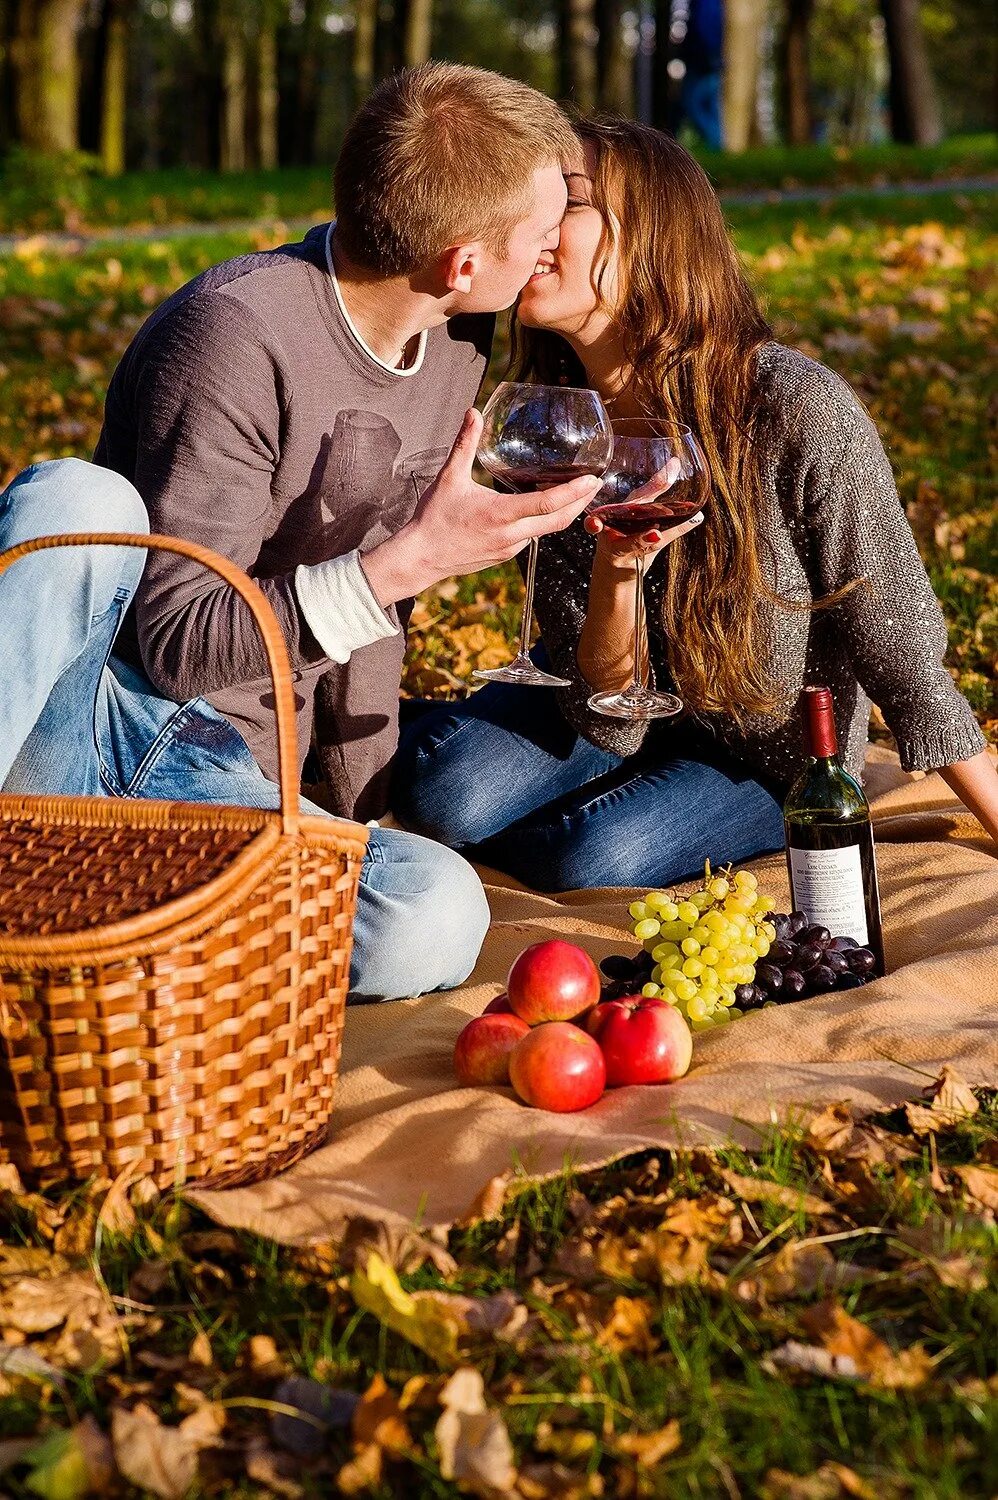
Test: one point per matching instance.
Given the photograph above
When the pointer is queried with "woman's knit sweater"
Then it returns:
(830, 514)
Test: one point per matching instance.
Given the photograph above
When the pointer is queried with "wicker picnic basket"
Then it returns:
(173, 976)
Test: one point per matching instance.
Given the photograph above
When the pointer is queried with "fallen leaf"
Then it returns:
(377, 1418)
(845, 1337)
(762, 1190)
(831, 1131)
(649, 1448)
(10, 1181)
(573, 1445)
(21, 1360)
(362, 1472)
(951, 1102)
(68, 1465)
(831, 1482)
(402, 1249)
(554, 1481)
(799, 1269)
(274, 1470)
(709, 1217)
(261, 1357)
(163, 1460)
(75, 1238)
(58, 1469)
(810, 1359)
(427, 1321)
(628, 1327)
(474, 1445)
(981, 1184)
(117, 1216)
(488, 1201)
(200, 1351)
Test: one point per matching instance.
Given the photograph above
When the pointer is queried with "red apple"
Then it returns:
(499, 1006)
(481, 1052)
(644, 1040)
(558, 1066)
(552, 981)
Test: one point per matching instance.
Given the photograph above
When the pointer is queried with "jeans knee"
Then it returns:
(70, 494)
(433, 797)
(420, 924)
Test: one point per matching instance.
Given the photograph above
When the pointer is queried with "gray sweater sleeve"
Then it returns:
(209, 402)
(890, 625)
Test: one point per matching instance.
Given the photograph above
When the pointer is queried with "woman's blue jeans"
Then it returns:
(74, 720)
(506, 779)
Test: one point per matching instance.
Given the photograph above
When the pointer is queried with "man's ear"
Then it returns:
(460, 265)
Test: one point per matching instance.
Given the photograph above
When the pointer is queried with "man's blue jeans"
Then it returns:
(506, 779)
(76, 721)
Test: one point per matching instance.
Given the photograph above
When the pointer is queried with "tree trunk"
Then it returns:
(577, 52)
(114, 88)
(795, 72)
(613, 61)
(267, 93)
(743, 23)
(364, 36)
(417, 32)
(233, 152)
(45, 61)
(914, 104)
(207, 84)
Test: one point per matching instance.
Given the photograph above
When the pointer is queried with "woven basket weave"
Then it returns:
(173, 976)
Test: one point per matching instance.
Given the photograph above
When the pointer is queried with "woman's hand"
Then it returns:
(617, 549)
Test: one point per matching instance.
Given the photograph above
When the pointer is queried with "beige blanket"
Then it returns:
(408, 1145)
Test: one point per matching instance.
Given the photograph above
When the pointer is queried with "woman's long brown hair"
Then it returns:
(691, 329)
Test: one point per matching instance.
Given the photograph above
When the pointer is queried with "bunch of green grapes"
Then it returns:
(706, 945)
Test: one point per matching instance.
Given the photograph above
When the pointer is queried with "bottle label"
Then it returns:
(828, 886)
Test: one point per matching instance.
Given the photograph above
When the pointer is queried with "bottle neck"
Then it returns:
(819, 725)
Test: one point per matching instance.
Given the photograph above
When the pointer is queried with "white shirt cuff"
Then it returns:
(342, 613)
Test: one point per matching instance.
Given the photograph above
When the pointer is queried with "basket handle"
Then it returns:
(260, 608)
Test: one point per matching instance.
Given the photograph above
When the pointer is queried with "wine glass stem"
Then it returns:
(528, 598)
(639, 684)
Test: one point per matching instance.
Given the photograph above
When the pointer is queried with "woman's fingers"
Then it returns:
(647, 543)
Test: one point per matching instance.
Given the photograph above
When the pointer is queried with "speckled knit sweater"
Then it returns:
(831, 513)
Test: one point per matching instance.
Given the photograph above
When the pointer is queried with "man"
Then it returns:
(279, 409)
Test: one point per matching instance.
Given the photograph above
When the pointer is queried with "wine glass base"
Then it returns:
(640, 704)
(522, 671)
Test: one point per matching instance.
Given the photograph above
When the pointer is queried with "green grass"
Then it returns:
(50, 194)
(565, 1390)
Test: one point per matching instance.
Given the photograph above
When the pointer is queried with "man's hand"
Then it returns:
(461, 527)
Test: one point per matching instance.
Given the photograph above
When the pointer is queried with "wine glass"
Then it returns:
(536, 436)
(646, 454)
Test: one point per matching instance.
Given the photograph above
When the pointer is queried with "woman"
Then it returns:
(801, 570)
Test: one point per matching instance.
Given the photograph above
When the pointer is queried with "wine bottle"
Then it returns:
(830, 854)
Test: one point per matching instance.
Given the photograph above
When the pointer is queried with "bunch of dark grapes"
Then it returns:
(805, 960)
(623, 976)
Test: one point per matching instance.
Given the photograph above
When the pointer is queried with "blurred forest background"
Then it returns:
(234, 84)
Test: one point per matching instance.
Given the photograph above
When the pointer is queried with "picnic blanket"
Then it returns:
(409, 1146)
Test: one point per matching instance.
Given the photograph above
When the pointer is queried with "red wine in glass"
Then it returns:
(541, 476)
(647, 455)
(645, 515)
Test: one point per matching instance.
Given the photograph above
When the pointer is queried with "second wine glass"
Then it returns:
(647, 454)
(536, 436)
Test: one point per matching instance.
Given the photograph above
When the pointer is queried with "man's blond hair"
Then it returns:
(438, 155)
